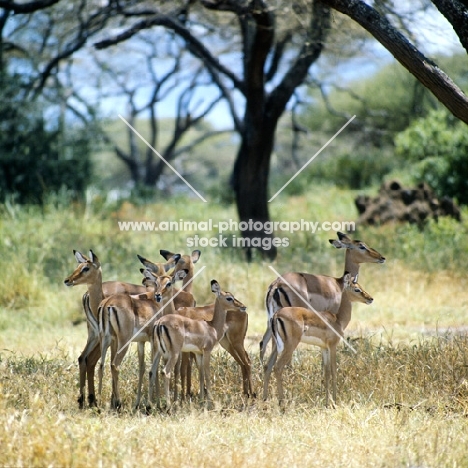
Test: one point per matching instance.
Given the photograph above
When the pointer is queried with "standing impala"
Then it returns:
(89, 272)
(232, 341)
(292, 325)
(184, 298)
(124, 319)
(174, 334)
(321, 292)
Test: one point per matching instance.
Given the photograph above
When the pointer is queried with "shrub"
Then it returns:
(37, 160)
(438, 147)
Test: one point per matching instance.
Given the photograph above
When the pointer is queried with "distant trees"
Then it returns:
(256, 53)
(37, 159)
(39, 154)
(156, 69)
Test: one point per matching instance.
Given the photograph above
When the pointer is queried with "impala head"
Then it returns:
(161, 285)
(185, 262)
(228, 301)
(357, 294)
(160, 268)
(360, 252)
(86, 271)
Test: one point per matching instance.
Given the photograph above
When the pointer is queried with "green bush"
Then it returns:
(38, 159)
(438, 147)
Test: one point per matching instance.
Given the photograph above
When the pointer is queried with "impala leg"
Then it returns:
(92, 342)
(207, 377)
(267, 371)
(178, 376)
(91, 362)
(141, 369)
(117, 358)
(186, 375)
(201, 375)
(333, 371)
(326, 369)
(168, 372)
(238, 352)
(266, 338)
(154, 381)
(283, 360)
(105, 343)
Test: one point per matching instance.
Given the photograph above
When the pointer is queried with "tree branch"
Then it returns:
(25, 8)
(309, 53)
(456, 14)
(426, 71)
(196, 47)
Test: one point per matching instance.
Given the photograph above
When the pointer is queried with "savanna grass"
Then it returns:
(402, 397)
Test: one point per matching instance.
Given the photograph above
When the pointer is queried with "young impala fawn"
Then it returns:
(292, 325)
(321, 292)
(174, 334)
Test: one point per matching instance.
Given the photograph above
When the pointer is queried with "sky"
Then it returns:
(434, 36)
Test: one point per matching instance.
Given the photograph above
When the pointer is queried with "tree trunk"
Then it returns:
(250, 183)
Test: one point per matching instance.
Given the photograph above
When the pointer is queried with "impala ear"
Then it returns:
(166, 254)
(195, 256)
(180, 275)
(148, 274)
(171, 263)
(80, 258)
(215, 287)
(343, 237)
(143, 260)
(347, 279)
(337, 244)
(93, 257)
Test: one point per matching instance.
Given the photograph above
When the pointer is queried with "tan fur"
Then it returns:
(232, 341)
(174, 334)
(291, 325)
(124, 319)
(322, 292)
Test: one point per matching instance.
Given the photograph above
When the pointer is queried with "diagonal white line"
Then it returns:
(161, 158)
(314, 311)
(155, 316)
(312, 158)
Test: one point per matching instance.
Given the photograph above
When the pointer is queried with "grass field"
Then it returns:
(402, 397)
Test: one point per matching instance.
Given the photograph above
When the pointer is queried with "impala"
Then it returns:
(232, 341)
(174, 334)
(89, 272)
(184, 298)
(124, 319)
(292, 325)
(185, 262)
(321, 292)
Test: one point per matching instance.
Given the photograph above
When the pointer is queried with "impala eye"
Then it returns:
(84, 269)
(362, 247)
(229, 299)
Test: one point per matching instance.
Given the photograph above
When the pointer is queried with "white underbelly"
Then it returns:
(189, 348)
(313, 340)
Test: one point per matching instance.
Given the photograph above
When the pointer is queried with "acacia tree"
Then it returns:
(155, 69)
(277, 48)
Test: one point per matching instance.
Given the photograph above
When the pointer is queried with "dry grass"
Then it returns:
(403, 397)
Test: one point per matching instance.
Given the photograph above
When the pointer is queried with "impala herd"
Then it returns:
(312, 309)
